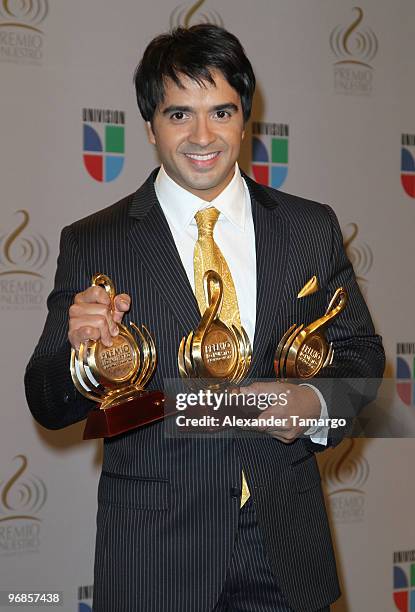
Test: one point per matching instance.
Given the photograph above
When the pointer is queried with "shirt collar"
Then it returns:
(180, 206)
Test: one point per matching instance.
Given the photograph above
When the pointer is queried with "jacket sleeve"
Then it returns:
(50, 392)
(353, 379)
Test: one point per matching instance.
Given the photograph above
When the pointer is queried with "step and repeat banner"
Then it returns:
(333, 120)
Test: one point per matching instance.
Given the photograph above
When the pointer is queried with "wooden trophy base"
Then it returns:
(142, 409)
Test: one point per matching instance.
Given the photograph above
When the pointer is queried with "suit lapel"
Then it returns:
(272, 249)
(151, 239)
(153, 242)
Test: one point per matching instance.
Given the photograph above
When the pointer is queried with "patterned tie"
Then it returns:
(208, 256)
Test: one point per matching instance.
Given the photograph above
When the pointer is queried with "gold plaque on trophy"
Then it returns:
(303, 351)
(214, 355)
(116, 376)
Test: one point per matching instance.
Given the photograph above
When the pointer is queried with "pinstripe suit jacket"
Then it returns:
(168, 508)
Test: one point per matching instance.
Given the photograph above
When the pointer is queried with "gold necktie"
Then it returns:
(208, 256)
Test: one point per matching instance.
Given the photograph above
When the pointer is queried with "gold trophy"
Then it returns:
(115, 377)
(214, 356)
(303, 351)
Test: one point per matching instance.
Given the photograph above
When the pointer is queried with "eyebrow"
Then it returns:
(188, 109)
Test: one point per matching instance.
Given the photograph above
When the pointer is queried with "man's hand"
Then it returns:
(90, 316)
(302, 402)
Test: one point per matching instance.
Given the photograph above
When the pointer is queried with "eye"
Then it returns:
(178, 116)
(222, 114)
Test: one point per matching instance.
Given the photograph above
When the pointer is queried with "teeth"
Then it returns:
(201, 157)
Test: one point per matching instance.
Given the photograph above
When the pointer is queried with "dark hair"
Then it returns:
(193, 52)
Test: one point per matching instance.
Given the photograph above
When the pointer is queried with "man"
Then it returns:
(172, 533)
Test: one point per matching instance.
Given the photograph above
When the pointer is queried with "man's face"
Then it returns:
(198, 132)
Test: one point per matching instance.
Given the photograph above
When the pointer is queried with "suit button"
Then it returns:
(236, 491)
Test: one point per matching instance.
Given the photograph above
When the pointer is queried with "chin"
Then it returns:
(204, 181)
(204, 184)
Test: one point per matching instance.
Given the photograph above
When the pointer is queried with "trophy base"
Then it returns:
(142, 409)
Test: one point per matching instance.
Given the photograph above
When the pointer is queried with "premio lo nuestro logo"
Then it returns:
(186, 15)
(405, 372)
(344, 473)
(85, 594)
(23, 255)
(23, 13)
(359, 253)
(408, 164)
(355, 46)
(21, 252)
(404, 580)
(21, 38)
(103, 143)
(270, 153)
(22, 497)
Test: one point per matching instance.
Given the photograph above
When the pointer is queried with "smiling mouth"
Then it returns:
(202, 157)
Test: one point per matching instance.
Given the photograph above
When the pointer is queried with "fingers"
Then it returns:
(283, 438)
(261, 387)
(90, 316)
(272, 393)
(98, 310)
(91, 327)
(122, 303)
(93, 295)
(83, 334)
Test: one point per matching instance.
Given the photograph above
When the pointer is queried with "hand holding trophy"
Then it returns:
(303, 351)
(115, 377)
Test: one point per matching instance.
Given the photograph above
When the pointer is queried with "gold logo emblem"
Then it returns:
(21, 253)
(215, 355)
(354, 44)
(23, 13)
(346, 473)
(22, 495)
(186, 16)
(360, 254)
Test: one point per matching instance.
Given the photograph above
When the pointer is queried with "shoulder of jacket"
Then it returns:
(291, 203)
(287, 204)
(105, 218)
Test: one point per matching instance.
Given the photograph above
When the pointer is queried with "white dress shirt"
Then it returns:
(234, 234)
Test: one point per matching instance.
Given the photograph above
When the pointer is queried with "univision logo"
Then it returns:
(22, 496)
(270, 153)
(21, 39)
(405, 372)
(103, 144)
(186, 15)
(354, 47)
(408, 164)
(344, 476)
(85, 593)
(404, 580)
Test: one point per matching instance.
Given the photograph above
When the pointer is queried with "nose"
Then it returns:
(201, 133)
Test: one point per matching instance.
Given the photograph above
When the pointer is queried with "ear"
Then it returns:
(243, 134)
(150, 133)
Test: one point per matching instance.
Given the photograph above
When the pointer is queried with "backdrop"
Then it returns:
(333, 121)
